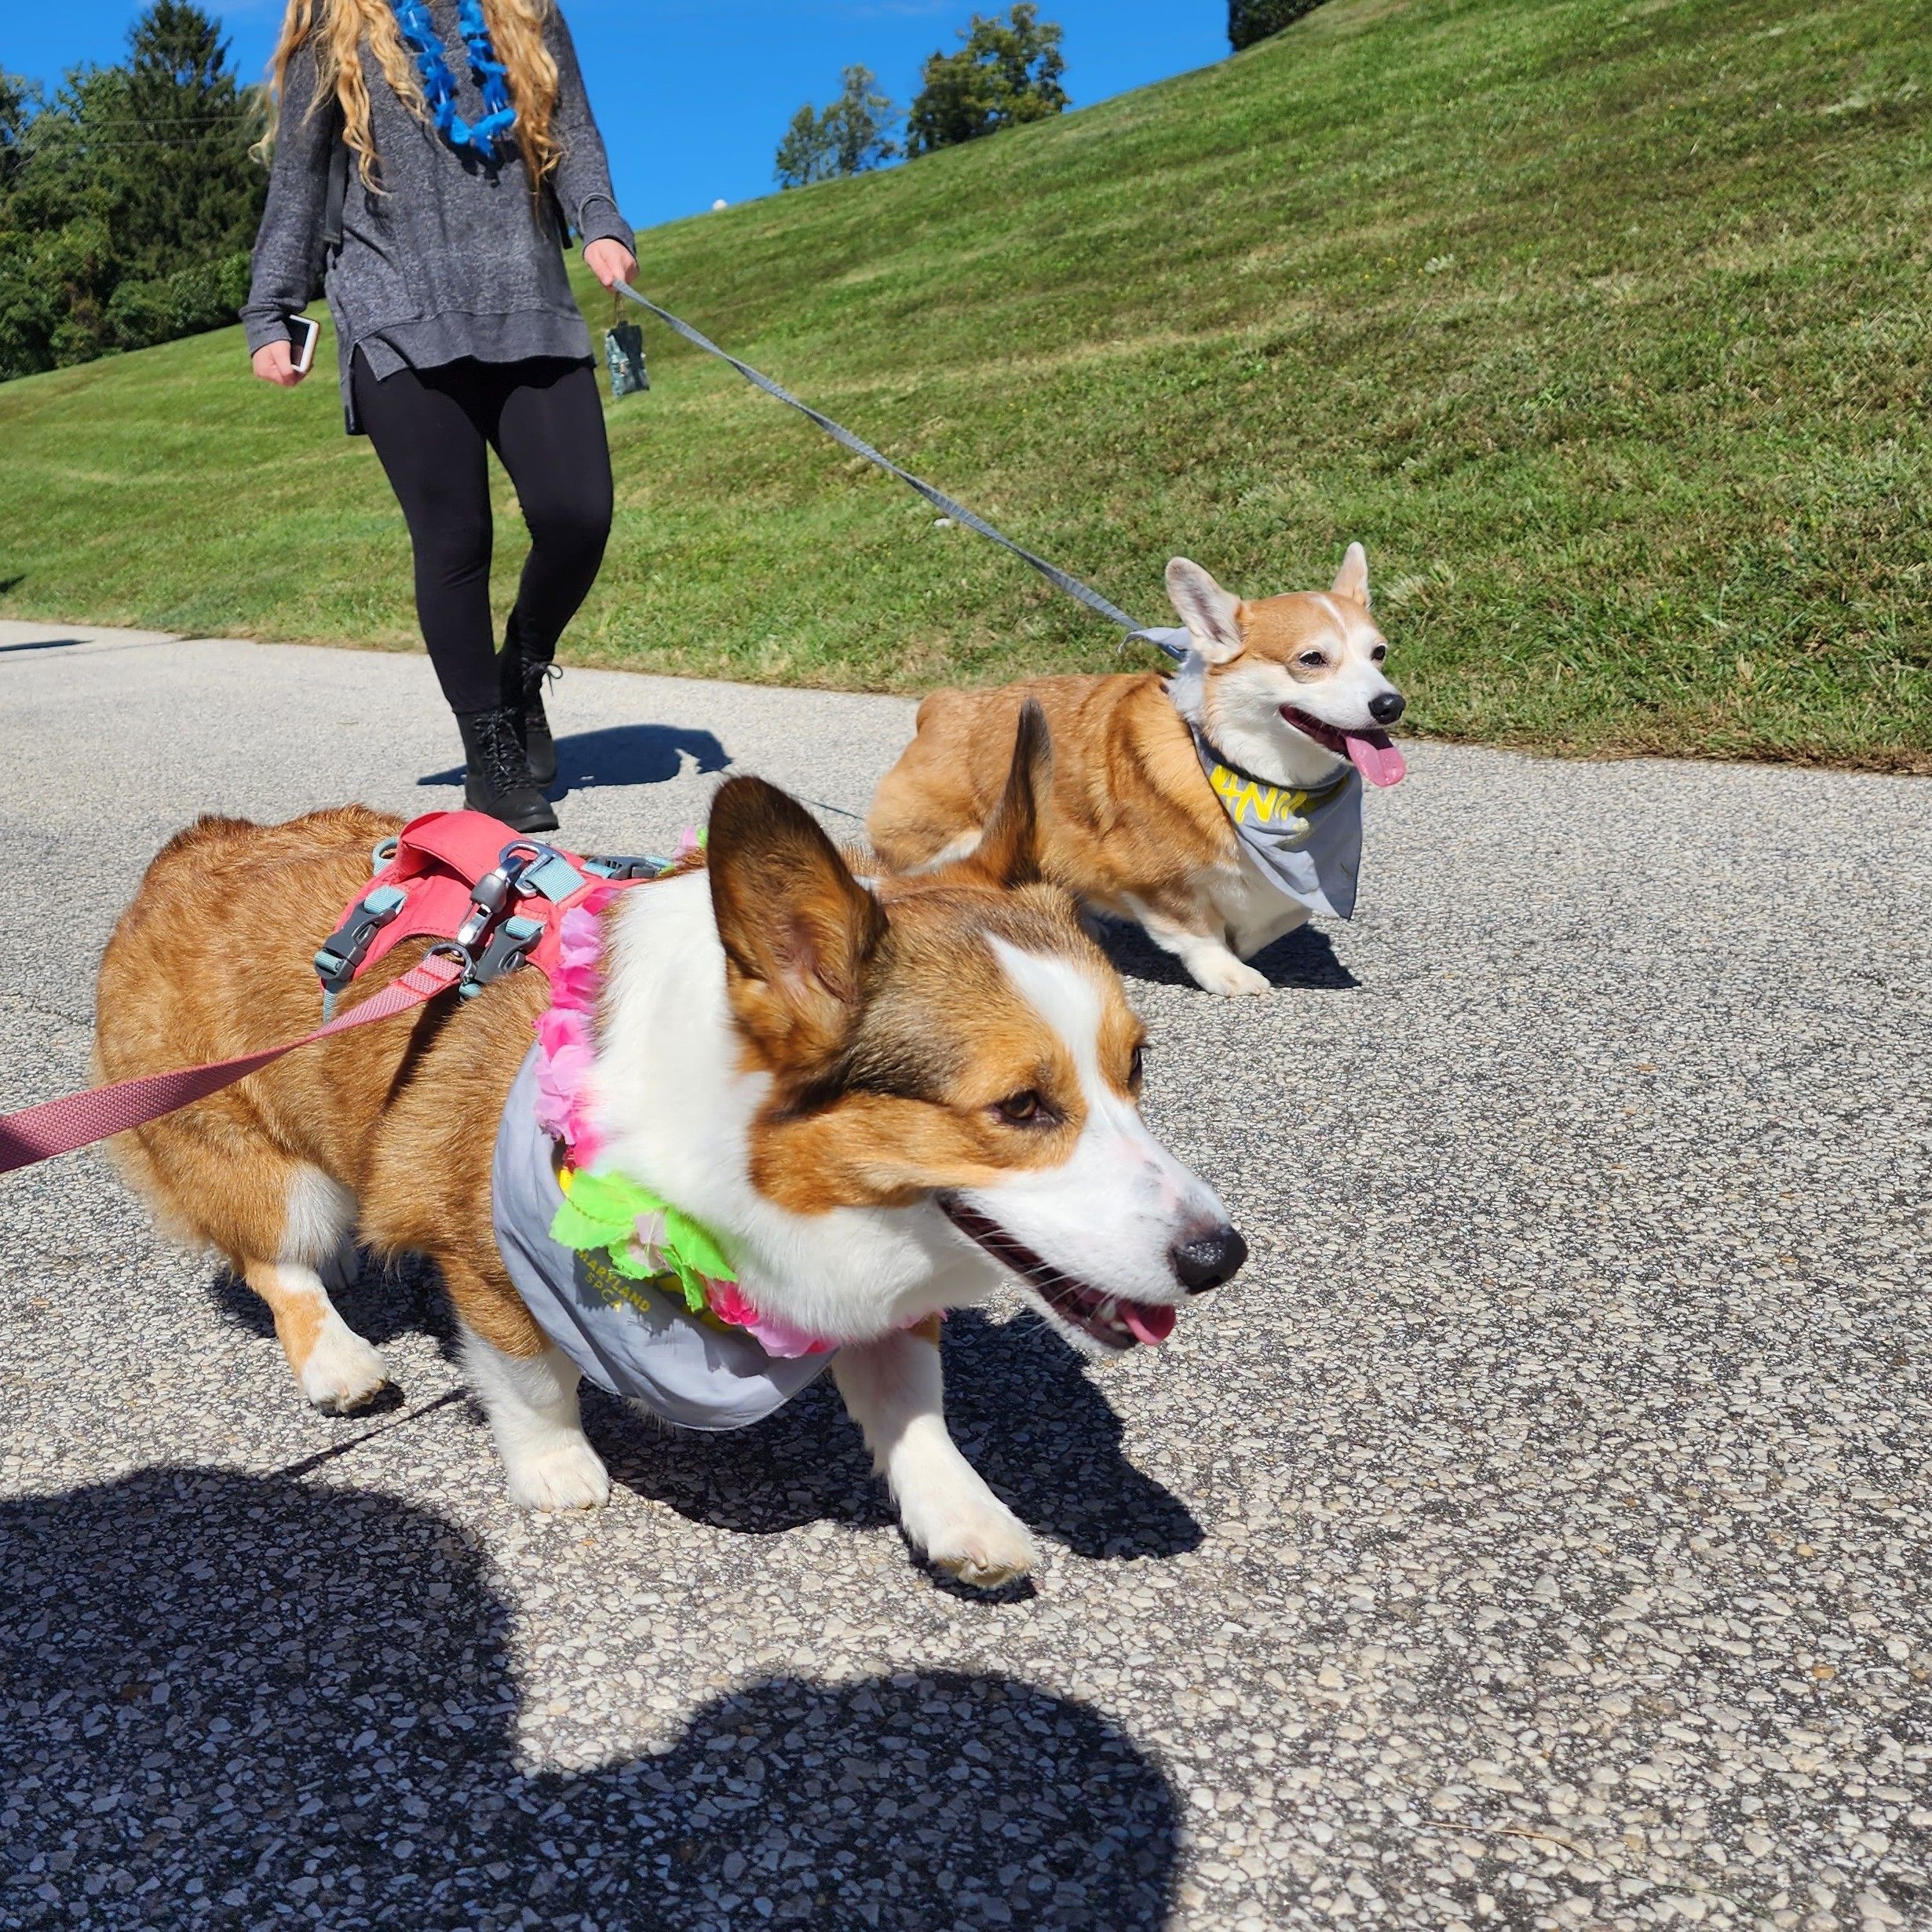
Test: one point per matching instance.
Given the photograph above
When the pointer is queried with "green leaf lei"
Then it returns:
(601, 1216)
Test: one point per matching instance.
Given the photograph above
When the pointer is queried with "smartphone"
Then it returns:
(303, 335)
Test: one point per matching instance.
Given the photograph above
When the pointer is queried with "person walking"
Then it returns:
(430, 158)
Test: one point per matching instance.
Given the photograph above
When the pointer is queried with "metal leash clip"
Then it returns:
(508, 948)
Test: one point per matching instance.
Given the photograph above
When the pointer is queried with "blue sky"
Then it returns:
(692, 95)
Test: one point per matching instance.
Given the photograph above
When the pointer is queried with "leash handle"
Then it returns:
(62, 1127)
(1060, 579)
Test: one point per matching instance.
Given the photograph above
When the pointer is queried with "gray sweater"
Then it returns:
(451, 259)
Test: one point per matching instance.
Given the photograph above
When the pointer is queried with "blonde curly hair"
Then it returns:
(338, 29)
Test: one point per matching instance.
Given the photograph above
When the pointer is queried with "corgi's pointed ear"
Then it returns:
(1352, 579)
(1008, 854)
(797, 928)
(1213, 616)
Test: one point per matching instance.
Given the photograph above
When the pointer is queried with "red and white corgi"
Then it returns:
(883, 1101)
(1192, 804)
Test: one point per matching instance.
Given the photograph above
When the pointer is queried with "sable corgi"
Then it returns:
(882, 1102)
(1275, 702)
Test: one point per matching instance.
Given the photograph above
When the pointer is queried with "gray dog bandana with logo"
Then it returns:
(1308, 843)
(625, 1337)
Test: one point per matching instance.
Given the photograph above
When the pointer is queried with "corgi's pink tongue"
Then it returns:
(1151, 1324)
(1375, 755)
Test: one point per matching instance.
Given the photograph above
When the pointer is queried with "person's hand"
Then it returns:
(275, 362)
(611, 262)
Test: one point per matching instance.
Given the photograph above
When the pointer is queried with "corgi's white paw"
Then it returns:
(565, 1474)
(1226, 975)
(343, 1373)
(982, 1543)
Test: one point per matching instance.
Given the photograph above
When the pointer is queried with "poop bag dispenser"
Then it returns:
(623, 353)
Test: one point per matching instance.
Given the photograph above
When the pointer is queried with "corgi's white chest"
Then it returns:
(1253, 907)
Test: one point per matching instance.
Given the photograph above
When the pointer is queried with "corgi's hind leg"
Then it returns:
(337, 1370)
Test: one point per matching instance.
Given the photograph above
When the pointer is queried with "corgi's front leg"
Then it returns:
(893, 1391)
(530, 1401)
(1206, 955)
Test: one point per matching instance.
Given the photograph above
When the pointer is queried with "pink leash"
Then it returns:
(60, 1127)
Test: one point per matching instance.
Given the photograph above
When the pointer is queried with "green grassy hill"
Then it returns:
(1604, 325)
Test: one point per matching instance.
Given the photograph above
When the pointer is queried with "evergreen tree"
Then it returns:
(128, 202)
(196, 195)
(1008, 72)
(1251, 20)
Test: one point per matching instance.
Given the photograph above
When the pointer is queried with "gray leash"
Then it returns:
(1084, 594)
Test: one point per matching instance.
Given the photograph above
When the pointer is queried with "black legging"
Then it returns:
(430, 428)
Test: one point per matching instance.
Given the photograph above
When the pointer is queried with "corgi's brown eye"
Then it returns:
(1136, 1069)
(1313, 660)
(1024, 1110)
(1380, 651)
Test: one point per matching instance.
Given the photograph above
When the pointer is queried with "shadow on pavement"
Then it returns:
(1027, 1410)
(621, 754)
(1022, 1405)
(382, 1302)
(41, 643)
(232, 1700)
(1305, 957)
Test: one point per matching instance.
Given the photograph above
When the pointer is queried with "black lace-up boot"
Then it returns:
(497, 780)
(521, 680)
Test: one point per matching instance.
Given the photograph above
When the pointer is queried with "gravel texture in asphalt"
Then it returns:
(1536, 1533)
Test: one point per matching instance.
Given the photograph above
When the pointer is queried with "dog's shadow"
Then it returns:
(301, 1700)
(622, 755)
(1020, 1402)
(1305, 959)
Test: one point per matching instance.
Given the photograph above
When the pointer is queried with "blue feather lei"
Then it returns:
(439, 88)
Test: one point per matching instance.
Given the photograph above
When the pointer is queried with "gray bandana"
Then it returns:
(651, 1349)
(1309, 843)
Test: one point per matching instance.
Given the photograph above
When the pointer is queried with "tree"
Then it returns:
(805, 155)
(20, 101)
(197, 194)
(860, 123)
(1251, 20)
(128, 202)
(1008, 72)
(852, 135)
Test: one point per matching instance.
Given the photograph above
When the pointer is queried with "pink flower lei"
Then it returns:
(566, 1053)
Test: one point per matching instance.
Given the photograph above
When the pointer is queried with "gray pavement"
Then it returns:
(1535, 1535)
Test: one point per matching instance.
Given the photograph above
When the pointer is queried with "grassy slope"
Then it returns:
(1604, 325)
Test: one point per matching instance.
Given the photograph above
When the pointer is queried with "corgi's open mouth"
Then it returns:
(1374, 754)
(1111, 1320)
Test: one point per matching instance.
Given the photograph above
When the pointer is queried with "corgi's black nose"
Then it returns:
(1208, 1260)
(1387, 707)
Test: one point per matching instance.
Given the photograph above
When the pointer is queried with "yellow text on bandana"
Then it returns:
(1249, 802)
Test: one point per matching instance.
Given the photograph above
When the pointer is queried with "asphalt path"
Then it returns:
(1535, 1535)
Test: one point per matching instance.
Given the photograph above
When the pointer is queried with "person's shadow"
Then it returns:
(224, 1699)
(621, 754)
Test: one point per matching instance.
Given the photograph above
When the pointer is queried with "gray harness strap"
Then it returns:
(626, 1336)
